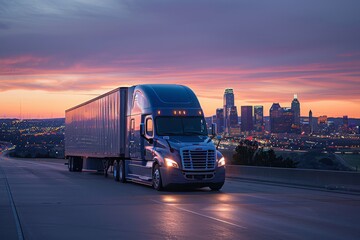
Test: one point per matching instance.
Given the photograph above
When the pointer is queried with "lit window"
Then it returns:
(149, 127)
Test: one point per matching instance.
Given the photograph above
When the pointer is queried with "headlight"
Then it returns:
(171, 163)
(221, 162)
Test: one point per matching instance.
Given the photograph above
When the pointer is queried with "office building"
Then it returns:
(311, 122)
(345, 121)
(229, 101)
(259, 118)
(295, 108)
(233, 117)
(220, 120)
(281, 119)
(246, 118)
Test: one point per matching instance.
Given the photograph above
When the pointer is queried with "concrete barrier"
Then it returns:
(339, 180)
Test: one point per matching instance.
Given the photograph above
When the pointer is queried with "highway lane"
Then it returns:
(51, 203)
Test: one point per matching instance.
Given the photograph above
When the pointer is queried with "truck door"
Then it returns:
(149, 146)
(140, 166)
(135, 140)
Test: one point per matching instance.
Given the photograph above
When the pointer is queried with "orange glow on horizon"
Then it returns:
(39, 104)
(28, 90)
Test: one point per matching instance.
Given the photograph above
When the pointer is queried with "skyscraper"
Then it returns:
(311, 122)
(220, 120)
(287, 120)
(295, 107)
(233, 117)
(345, 121)
(258, 118)
(345, 126)
(246, 118)
(275, 114)
(281, 119)
(229, 100)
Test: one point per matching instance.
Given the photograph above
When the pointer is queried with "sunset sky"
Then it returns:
(57, 54)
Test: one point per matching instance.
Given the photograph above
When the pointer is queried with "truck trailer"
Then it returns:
(154, 134)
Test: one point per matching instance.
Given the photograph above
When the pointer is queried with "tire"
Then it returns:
(71, 164)
(78, 164)
(157, 181)
(216, 186)
(122, 176)
(116, 171)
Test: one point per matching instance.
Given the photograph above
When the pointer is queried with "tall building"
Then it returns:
(311, 122)
(275, 114)
(220, 120)
(246, 118)
(287, 120)
(345, 121)
(233, 117)
(259, 118)
(281, 119)
(213, 120)
(345, 126)
(295, 107)
(229, 101)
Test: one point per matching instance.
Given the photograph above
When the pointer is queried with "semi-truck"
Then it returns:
(154, 134)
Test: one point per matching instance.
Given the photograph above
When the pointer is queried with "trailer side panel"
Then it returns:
(97, 128)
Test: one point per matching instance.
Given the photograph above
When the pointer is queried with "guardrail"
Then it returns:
(334, 180)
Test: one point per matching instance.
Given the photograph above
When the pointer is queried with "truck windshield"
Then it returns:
(180, 126)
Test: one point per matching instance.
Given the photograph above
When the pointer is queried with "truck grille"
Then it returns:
(198, 159)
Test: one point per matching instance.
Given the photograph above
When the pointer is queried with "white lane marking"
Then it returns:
(200, 214)
(13, 208)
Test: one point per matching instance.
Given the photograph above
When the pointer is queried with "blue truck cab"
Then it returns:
(169, 139)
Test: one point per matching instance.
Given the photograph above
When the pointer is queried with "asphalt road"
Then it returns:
(42, 200)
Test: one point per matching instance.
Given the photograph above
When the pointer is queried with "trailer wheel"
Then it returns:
(157, 182)
(77, 164)
(71, 164)
(116, 171)
(106, 165)
(122, 176)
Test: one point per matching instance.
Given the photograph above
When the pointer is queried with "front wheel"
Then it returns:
(157, 182)
(116, 171)
(216, 186)
(122, 176)
(71, 164)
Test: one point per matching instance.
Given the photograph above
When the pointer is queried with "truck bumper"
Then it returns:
(177, 177)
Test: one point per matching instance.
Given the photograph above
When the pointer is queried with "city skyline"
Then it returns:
(22, 115)
(57, 55)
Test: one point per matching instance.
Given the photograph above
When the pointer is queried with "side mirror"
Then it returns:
(142, 129)
(213, 129)
(142, 133)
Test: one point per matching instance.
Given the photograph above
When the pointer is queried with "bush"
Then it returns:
(248, 153)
